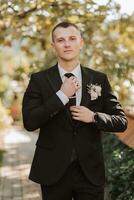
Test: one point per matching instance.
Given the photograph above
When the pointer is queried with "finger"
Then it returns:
(78, 107)
(76, 118)
(75, 114)
(76, 82)
(75, 109)
(73, 78)
(74, 106)
(76, 85)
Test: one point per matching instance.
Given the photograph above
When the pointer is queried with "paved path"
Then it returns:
(19, 148)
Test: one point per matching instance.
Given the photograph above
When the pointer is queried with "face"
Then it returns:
(67, 43)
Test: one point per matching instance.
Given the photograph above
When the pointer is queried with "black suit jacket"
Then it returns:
(43, 109)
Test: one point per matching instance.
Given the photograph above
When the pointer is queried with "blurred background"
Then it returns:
(107, 27)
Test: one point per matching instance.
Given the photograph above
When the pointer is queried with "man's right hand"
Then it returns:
(70, 86)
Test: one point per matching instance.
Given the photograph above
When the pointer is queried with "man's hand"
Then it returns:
(82, 113)
(70, 86)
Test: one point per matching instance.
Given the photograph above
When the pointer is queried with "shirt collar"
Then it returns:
(76, 71)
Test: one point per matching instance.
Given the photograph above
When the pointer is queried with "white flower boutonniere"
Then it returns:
(94, 91)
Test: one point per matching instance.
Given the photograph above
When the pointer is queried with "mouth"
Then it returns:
(68, 51)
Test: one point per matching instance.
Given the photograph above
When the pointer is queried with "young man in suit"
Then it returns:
(71, 105)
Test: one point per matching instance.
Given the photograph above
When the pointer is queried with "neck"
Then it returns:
(68, 65)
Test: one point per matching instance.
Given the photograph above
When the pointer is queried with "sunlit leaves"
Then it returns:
(119, 167)
(108, 44)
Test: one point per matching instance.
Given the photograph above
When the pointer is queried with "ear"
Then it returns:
(81, 44)
(53, 48)
(52, 44)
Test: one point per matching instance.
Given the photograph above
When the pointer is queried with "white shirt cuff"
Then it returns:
(62, 97)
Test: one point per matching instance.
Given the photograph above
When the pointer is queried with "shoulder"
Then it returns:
(95, 73)
(43, 73)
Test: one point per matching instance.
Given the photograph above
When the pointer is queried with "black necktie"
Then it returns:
(72, 99)
(72, 102)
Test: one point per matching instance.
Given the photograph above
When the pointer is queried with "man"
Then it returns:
(71, 105)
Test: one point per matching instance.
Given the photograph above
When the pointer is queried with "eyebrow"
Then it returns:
(69, 36)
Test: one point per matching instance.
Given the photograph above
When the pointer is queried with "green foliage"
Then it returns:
(25, 47)
(120, 168)
(1, 156)
(25, 38)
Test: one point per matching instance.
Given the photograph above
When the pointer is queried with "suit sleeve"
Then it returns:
(34, 111)
(113, 118)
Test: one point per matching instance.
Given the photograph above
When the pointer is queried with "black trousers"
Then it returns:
(73, 185)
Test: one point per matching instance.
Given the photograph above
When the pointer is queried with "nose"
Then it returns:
(67, 44)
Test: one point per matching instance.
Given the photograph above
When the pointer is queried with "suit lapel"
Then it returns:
(56, 82)
(86, 79)
(54, 78)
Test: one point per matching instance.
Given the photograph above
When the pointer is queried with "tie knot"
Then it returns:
(68, 75)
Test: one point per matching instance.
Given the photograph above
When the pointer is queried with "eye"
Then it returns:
(73, 38)
(60, 40)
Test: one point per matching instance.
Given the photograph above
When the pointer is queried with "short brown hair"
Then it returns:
(64, 25)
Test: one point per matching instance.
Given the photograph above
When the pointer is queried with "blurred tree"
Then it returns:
(25, 47)
(119, 167)
(5, 119)
(26, 26)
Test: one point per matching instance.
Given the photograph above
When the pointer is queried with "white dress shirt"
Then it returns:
(77, 73)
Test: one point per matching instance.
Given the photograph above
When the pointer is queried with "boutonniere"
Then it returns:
(94, 91)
